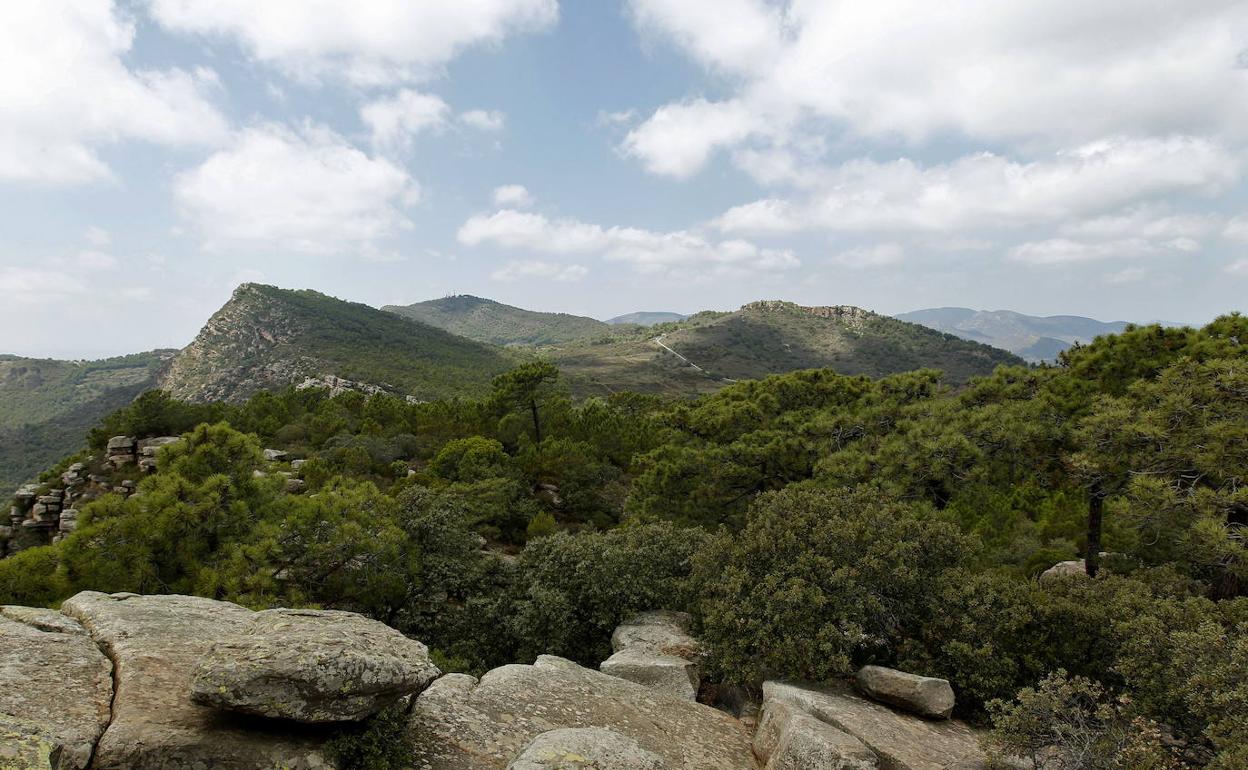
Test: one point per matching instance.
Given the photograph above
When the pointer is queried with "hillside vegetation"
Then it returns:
(265, 338)
(765, 338)
(813, 522)
(47, 406)
(485, 320)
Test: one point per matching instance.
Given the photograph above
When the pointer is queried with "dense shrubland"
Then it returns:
(812, 523)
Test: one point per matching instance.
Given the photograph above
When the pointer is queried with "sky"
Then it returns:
(600, 157)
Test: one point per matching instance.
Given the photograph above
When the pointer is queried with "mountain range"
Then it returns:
(266, 338)
(1033, 338)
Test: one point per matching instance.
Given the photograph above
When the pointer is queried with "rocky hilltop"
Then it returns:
(266, 338)
(118, 681)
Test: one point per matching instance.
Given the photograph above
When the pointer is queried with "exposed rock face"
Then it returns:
(900, 741)
(1062, 569)
(55, 691)
(790, 739)
(312, 666)
(655, 649)
(155, 643)
(922, 695)
(585, 748)
(461, 723)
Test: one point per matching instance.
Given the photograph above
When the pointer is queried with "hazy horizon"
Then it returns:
(601, 158)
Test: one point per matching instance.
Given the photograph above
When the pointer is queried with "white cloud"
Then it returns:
(27, 285)
(990, 191)
(879, 255)
(1060, 251)
(483, 120)
(66, 92)
(519, 269)
(677, 140)
(306, 190)
(1238, 267)
(1049, 72)
(368, 42)
(91, 259)
(393, 122)
(514, 195)
(1127, 275)
(646, 250)
(1236, 229)
(97, 236)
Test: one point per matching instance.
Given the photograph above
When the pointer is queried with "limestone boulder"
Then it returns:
(585, 748)
(923, 695)
(461, 723)
(312, 666)
(155, 644)
(656, 649)
(668, 674)
(1065, 569)
(790, 739)
(43, 620)
(900, 741)
(662, 631)
(55, 693)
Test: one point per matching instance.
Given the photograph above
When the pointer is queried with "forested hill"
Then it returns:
(485, 320)
(812, 522)
(47, 406)
(266, 338)
(709, 349)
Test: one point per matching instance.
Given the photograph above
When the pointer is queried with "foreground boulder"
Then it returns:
(922, 695)
(461, 723)
(155, 644)
(900, 741)
(312, 666)
(55, 691)
(585, 748)
(790, 739)
(655, 649)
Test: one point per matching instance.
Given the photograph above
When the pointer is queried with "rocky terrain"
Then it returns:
(266, 338)
(117, 681)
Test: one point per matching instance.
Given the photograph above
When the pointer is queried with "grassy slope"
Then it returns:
(498, 324)
(47, 406)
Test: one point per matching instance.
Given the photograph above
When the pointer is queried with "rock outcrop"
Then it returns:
(585, 748)
(655, 649)
(55, 691)
(923, 695)
(461, 723)
(312, 666)
(155, 644)
(900, 741)
(790, 739)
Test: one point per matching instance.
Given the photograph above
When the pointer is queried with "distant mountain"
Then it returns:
(266, 338)
(644, 318)
(47, 406)
(485, 320)
(1035, 338)
(708, 349)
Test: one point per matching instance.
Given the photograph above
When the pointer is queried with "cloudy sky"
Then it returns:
(1046, 156)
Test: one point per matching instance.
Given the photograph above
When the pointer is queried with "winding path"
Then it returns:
(659, 341)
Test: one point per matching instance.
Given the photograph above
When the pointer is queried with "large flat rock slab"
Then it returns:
(461, 723)
(901, 741)
(55, 691)
(312, 666)
(155, 643)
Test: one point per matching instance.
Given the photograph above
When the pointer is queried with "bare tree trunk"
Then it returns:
(1096, 515)
(537, 426)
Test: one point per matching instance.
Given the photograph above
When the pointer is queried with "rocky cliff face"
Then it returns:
(267, 338)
